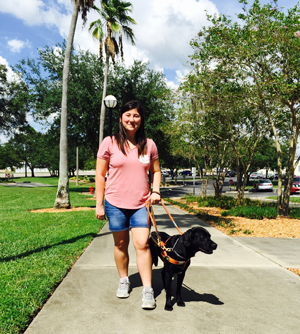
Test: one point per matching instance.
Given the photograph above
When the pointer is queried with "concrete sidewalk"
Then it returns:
(241, 288)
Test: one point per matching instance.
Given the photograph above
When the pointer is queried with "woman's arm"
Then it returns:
(155, 170)
(100, 186)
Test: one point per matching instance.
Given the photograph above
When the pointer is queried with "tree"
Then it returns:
(29, 148)
(262, 50)
(224, 127)
(138, 81)
(113, 17)
(63, 196)
(9, 158)
(275, 47)
(14, 103)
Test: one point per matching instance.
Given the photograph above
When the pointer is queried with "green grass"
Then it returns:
(252, 209)
(38, 249)
(248, 208)
(252, 212)
(223, 202)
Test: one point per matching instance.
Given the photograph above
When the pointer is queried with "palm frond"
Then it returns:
(115, 45)
(84, 6)
(115, 27)
(121, 46)
(100, 12)
(128, 32)
(98, 33)
(114, 13)
(96, 23)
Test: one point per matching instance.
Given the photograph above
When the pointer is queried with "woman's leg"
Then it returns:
(121, 240)
(140, 236)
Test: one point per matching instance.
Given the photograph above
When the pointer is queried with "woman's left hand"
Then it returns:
(155, 198)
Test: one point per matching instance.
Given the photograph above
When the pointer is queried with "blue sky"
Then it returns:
(164, 30)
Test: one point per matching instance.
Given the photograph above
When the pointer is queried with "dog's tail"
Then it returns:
(153, 252)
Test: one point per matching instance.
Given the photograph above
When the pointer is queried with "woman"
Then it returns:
(128, 155)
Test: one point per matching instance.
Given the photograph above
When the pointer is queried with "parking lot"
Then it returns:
(188, 188)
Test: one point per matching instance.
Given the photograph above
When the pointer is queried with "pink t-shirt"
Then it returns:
(127, 183)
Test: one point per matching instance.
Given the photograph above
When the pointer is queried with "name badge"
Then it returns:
(144, 159)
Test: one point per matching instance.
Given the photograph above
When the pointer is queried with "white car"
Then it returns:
(256, 175)
(165, 173)
(264, 184)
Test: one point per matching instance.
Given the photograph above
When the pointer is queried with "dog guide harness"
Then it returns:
(159, 242)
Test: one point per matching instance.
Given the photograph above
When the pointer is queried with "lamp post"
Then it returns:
(110, 102)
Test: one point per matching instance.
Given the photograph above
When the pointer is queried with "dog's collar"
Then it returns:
(173, 250)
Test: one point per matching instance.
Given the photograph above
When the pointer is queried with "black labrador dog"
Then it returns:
(183, 247)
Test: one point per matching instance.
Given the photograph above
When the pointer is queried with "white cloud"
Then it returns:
(181, 74)
(165, 29)
(15, 45)
(3, 139)
(172, 85)
(163, 32)
(33, 12)
(10, 75)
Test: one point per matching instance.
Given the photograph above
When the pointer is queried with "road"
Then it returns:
(188, 188)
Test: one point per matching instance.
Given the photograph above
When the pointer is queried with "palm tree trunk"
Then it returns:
(102, 114)
(63, 196)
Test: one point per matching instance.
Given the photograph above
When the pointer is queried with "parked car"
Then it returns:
(295, 189)
(230, 173)
(273, 176)
(186, 172)
(166, 173)
(296, 185)
(263, 184)
(256, 175)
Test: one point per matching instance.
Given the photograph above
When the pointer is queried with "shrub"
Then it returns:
(252, 212)
(295, 213)
(223, 202)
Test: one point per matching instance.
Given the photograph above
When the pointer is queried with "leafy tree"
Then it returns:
(261, 51)
(274, 49)
(114, 18)
(266, 156)
(216, 85)
(43, 76)
(139, 82)
(28, 147)
(9, 158)
(14, 104)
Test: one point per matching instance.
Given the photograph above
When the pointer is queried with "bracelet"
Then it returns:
(156, 192)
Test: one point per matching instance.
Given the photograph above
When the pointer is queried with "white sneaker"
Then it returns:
(148, 298)
(124, 288)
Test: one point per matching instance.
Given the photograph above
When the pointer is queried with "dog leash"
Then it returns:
(163, 204)
(151, 215)
(159, 242)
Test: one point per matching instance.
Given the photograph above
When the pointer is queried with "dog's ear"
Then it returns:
(187, 237)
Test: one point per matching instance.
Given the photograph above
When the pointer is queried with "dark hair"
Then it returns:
(121, 135)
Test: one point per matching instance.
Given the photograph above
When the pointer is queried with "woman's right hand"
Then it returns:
(100, 212)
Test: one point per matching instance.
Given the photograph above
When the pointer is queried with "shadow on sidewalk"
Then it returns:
(188, 294)
(44, 248)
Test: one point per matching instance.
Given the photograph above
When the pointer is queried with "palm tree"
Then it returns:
(114, 21)
(63, 196)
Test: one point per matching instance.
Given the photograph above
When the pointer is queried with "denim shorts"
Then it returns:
(124, 219)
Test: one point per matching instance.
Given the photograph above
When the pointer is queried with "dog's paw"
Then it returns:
(168, 307)
(180, 303)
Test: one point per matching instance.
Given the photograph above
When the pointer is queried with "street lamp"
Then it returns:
(110, 102)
